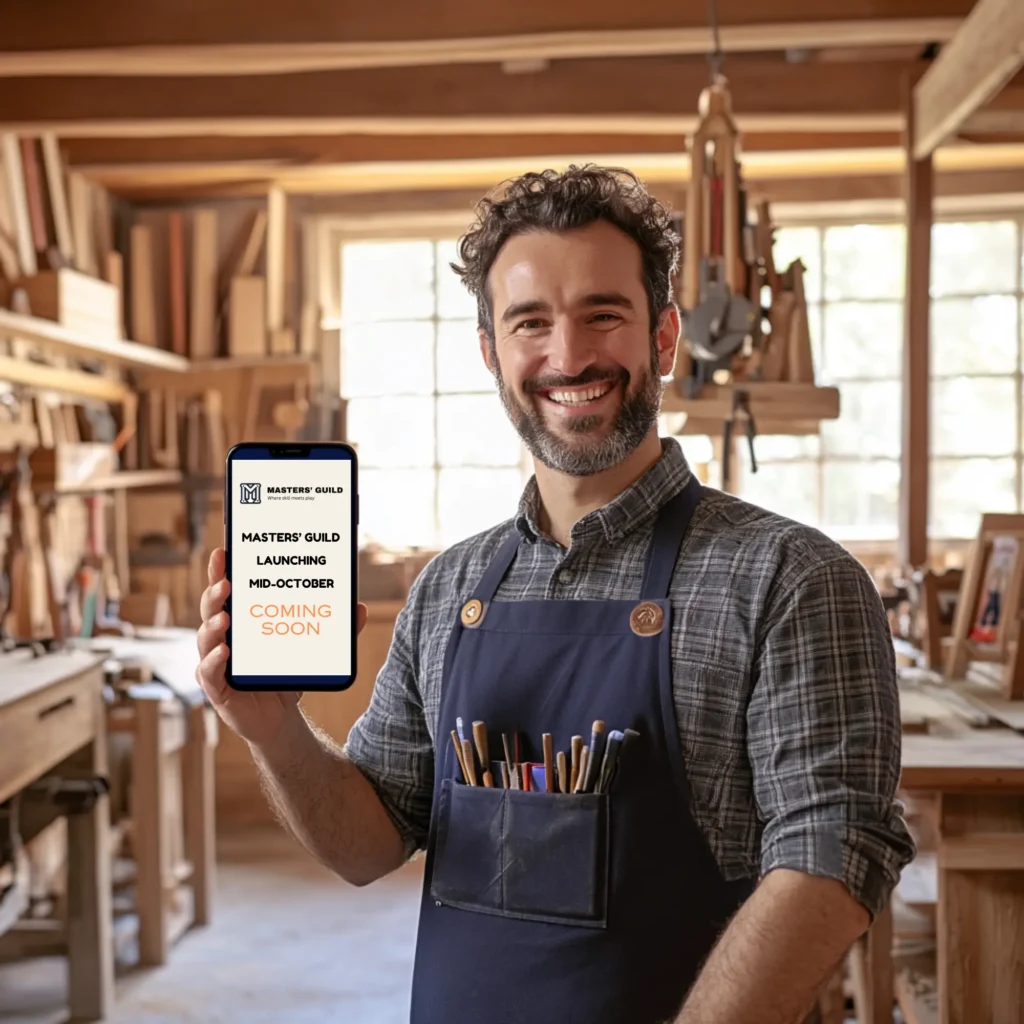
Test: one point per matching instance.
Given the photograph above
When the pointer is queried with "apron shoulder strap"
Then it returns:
(499, 565)
(669, 530)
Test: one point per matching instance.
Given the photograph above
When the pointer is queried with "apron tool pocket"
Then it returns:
(533, 856)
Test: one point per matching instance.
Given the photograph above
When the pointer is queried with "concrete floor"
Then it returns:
(289, 942)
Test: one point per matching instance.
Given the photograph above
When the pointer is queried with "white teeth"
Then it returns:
(578, 397)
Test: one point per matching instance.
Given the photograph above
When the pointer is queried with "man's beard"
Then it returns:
(636, 416)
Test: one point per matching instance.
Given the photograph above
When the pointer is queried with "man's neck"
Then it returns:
(565, 500)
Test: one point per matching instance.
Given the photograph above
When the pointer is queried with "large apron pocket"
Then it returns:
(533, 856)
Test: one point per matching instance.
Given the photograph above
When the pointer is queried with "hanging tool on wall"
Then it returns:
(741, 414)
(720, 322)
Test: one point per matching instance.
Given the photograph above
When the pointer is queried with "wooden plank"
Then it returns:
(989, 698)
(143, 304)
(103, 223)
(17, 202)
(60, 339)
(149, 815)
(913, 538)
(247, 317)
(973, 760)
(176, 260)
(980, 915)
(9, 265)
(625, 94)
(68, 382)
(203, 334)
(253, 244)
(82, 224)
(277, 227)
(34, 195)
(90, 946)
(290, 58)
(198, 807)
(93, 154)
(992, 851)
(114, 274)
(58, 197)
(982, 57)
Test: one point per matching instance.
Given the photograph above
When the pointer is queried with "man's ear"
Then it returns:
(486, 350)
(667, 339)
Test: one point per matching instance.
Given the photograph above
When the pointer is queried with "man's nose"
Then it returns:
(570, 347)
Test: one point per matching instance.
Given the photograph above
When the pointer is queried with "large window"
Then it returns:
(847, 481)
(438, 458)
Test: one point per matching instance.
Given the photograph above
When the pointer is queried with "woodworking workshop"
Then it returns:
(512, 512)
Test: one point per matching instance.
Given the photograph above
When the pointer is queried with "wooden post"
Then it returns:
(198, 808)
(90, 942)
(916, 383)
(149, 836)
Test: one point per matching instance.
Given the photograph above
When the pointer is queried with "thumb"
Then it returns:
(360, 617)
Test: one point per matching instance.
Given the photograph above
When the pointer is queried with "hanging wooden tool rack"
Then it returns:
(745, 363)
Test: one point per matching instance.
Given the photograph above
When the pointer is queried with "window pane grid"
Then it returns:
(976, 331)
(410, 380)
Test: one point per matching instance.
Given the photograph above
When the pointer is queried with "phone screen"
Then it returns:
(291, 548)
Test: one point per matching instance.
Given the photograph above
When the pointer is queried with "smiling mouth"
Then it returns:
(580, 396)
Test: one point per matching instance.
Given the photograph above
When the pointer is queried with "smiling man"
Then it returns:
(750, 831)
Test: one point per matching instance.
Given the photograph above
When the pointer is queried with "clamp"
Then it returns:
(740, 411)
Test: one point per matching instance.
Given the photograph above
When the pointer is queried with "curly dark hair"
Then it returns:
(562, 201)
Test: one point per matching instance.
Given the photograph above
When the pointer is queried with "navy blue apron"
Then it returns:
(540, 908)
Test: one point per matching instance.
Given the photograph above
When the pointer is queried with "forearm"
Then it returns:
(777, 952)
(328, 804)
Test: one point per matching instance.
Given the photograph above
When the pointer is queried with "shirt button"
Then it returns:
(565, 576)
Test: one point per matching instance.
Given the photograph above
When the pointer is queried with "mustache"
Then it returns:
(591, 375)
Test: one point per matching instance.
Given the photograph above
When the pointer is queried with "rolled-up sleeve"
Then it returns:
(390, 742)
(823, 734)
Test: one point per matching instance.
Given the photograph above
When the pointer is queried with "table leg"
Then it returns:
(980, 919)
(149, 839)
(90, 941)
(197, 767)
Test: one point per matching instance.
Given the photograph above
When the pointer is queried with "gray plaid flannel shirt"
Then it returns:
(783, 674)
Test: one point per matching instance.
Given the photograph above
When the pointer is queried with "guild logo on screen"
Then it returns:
(250, 494)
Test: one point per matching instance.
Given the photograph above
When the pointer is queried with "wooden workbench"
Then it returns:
(52, 715)
(976, 777)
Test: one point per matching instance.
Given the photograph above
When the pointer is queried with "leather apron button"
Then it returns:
(472, 613)
(647, 619)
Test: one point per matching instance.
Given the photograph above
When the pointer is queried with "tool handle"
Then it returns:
(467, 756)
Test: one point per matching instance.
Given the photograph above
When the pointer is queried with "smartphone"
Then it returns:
(291, 513)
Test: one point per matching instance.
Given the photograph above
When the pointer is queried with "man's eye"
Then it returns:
(530, 325)
(606, 317)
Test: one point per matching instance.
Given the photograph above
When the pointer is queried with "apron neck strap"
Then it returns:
(669, 529)
(495, 572)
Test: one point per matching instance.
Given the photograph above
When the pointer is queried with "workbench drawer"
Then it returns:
(42, 729)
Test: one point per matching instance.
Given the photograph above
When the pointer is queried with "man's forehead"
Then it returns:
(598, 258)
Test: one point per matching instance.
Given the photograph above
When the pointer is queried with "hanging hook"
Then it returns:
(716, 58)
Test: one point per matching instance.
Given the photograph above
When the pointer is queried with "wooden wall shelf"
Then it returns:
(125, 480)
(777, 408)
(59, 338)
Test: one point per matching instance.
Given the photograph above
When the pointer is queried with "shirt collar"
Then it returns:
(634, 508)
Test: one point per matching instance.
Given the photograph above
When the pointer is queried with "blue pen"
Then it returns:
(458, 725)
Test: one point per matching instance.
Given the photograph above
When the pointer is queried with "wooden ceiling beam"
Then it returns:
(893, 36)
(982, 57)
(618, 95)
(290, 151)
(77, 25)
(1004, 115)
(152, 180)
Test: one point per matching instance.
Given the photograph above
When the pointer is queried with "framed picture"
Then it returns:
(1003, 555)
(986, 624)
